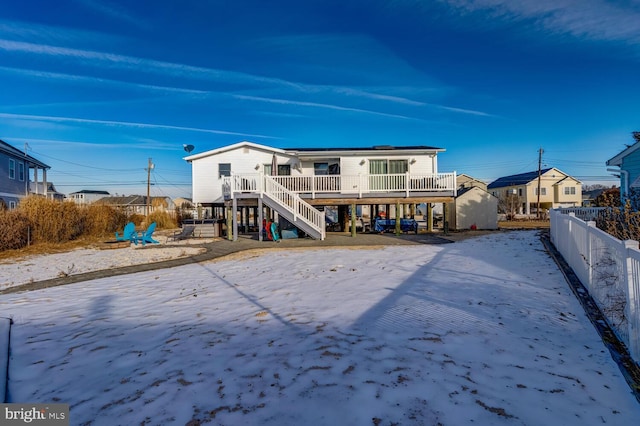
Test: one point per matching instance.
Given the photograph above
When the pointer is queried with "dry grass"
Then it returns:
(524, 224)
(39, 225)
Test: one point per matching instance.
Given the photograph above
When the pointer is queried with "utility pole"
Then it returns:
(539, 180)
(149, 167)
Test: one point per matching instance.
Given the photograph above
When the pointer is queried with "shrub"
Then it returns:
(622, 223)
(609, 198)
(52, 221)
(137, 219)
(39, 220)
(103, 220)
(163, 220)
(14, 230)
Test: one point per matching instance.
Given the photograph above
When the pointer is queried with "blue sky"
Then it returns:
(97, 87)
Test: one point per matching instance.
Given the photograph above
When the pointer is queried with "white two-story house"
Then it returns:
(298, 183)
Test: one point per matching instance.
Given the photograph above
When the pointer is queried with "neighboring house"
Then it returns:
(473, 206)
(185, 205)
(299, 182)
(557, 189)
(87, 196)
(50, 192)
(627, 166)
(589, 197)
(137, 204)
(466, 181)
(15, 168)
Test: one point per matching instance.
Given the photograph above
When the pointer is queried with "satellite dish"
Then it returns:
(188, 148)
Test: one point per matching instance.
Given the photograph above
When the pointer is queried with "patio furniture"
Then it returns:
(389, 225)
(186, 232)
(128, 232)
(145, 237)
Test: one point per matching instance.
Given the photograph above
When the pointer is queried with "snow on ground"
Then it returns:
(14, 272)
(484, 331)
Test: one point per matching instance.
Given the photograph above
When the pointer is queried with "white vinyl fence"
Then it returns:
(608, 268)
(584, 213)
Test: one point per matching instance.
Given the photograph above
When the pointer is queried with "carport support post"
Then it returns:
(429, 215)
(229, 224)
(445, 222)
(234, 202)
(353, 220)
(260, 218)
(397, 219)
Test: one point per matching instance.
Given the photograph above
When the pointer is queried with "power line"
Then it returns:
(82, 165)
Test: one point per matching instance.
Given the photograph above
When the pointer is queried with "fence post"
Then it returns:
(569, 246)
(589, 255)
(633, 290)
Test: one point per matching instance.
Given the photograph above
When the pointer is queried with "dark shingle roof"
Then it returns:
(5, 147)
(90, 191)
(515, 180)
(374, 148)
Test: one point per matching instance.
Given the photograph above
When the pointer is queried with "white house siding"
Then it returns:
(204, 172)
(351, 166)
(207, 183)
(425, 164)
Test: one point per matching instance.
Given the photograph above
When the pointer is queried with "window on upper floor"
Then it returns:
(12, 205)
(320, 169)
(543, 191)
(224, 169)
(519, 192)
(283, 169)
(569, 190)
(12, 169)
(21, 172)
(398, 166)
(383, 167)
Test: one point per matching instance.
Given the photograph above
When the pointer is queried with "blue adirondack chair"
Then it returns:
(128, 232)
(145, 237)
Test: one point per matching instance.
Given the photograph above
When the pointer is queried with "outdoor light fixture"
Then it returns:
(362, 162)
(413, 161)
(257, 166)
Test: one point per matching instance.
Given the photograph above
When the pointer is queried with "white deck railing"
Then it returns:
(283, 197)
(356, 185)
(608, 268)
(291, 201)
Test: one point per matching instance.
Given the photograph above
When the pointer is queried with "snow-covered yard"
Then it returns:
(484, 331)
